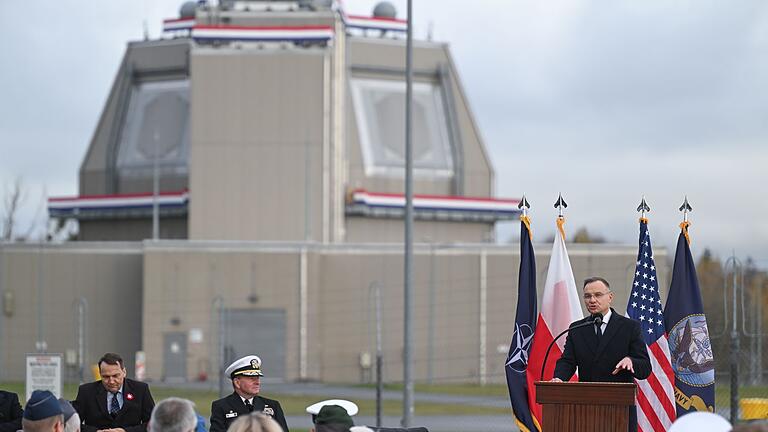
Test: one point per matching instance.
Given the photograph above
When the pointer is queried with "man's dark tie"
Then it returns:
(599, 332)
(248, 405)
(114, 406)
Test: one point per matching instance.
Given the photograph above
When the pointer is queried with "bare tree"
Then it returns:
(12, 202)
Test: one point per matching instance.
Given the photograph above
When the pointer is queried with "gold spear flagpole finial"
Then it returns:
(642, 208)
(524, 205)
(560, 204)
(685, 208)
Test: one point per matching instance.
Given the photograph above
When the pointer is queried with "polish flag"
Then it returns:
(559, 308)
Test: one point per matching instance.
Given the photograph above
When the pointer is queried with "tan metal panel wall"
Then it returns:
(257, 117)
(131, 229)
(107, 275)
(361, 229)
(185, 282)
(182, 279)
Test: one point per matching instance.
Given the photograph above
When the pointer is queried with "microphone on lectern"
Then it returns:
(595, 319)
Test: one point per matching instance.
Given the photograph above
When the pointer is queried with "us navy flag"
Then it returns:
(525, 323)
(689, 343)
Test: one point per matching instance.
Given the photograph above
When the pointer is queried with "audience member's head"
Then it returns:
(173, 415)
(42, 413)
(71, 417)
(700, 421)
(755, 426)
(255, 422)
(333, 418)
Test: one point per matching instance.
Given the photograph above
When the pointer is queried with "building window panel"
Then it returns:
(156, 125)
(380, 113)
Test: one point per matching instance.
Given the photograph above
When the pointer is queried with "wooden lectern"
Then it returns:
(585, 406)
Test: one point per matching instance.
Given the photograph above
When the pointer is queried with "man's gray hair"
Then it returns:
(73, 424)
(173, 415)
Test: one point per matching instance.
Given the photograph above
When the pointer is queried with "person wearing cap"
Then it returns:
(245, 374)
(42, 413)
(10, 412)
(335, 415)
(114, 403)
(71, 417)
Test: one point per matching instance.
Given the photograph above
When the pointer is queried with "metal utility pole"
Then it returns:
(379, 356)
(734, 354)
(408, 267)
(155, 193)
(81, 307)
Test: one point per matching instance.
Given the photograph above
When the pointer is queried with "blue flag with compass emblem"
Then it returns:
(689, 344)
(525, 323)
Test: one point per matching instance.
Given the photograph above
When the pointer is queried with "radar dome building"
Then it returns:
(283, 121)
(267, 139)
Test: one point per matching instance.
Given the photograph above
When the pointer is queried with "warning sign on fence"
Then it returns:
(44, 373)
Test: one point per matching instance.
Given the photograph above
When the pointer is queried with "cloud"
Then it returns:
(602, 101)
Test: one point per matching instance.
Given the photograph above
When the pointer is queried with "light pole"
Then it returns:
(408, 270)
(155, 190)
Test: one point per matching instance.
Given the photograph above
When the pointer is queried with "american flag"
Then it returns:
(655, 397)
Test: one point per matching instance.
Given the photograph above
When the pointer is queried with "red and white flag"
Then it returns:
(559, 308)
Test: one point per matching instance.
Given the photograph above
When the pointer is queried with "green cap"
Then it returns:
(333, 415)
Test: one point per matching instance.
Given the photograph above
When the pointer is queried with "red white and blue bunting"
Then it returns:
(432, 207)
(262, 34)
(127, 205)
(374, 23)
(173, 25)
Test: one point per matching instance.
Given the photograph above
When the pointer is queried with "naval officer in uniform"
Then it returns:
(245, 374)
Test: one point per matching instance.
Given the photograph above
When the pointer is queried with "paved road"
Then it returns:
(433, 423)
(328, 391)
(468, 423)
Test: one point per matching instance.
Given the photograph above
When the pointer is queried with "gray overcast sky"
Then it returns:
(602, 101)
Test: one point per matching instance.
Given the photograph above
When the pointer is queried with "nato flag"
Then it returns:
(689, 343)
(525, 323)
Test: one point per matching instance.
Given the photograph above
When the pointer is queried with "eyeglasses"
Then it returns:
(596, 296)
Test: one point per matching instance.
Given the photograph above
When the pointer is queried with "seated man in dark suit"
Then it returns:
(10, 412)
(613, 352)
(116, 403)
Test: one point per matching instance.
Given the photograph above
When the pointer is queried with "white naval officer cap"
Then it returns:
(246, 366)
(348, 406)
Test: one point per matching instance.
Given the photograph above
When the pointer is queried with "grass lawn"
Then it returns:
(498, 390)
(294, 404)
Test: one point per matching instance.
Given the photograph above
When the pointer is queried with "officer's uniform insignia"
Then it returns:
(269, 411)
(230, 414)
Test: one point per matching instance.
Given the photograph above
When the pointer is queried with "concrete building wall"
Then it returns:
(361, 229)
(131, 229)
(457, 335)
(256, 144)
(187, 282)
(40, 286)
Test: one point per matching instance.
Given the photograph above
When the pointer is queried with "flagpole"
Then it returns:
(408, 266)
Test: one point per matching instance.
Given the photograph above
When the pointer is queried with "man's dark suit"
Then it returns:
(10, 412)
(91, 404)
(596, 362)
(226, 410)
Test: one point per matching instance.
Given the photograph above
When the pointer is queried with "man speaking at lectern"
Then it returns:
(614, 351)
